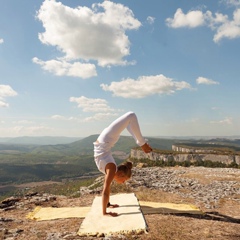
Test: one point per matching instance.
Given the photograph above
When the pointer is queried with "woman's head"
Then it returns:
(124, 172)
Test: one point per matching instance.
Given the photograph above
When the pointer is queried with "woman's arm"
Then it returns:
(110, 173)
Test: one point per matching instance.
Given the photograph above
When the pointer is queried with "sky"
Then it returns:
(70, 67)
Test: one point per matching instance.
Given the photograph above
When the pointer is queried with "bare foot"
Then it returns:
(146, 148)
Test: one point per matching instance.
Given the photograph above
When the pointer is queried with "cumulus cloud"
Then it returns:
(218, 22)
(1, 40)
(229, 29)
(100, 117)
(232, 2)
(60, 117)
(63, 68)
(3, 104)
(97, 33)
(98, 106)
(191, 19)
(91, 104)
(145, 86)
(95, 117)
(202, 80)
(6, 91)
(150, 20)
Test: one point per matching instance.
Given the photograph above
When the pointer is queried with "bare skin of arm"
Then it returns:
(110, 173)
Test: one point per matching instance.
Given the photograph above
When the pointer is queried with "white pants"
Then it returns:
(127, 121)
(111, 134)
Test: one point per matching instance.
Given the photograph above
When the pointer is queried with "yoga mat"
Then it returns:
(171, 208)
(130, 219)
(50, 213)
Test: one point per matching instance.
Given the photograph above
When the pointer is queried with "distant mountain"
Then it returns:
(28, 162)
(45, 140)
(81, 147)
(85, 146)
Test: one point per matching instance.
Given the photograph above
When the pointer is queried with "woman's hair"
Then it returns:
(126, 168)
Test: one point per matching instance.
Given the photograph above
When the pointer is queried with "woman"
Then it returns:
(103, 157)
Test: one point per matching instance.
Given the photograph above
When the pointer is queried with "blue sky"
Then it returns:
(68, 68)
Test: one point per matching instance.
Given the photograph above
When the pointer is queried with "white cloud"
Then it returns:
(219, 23)
(6, 91)
(192, 19)
(32, 130)
(3, 104)
(58, 117)
(95, 117)
(150, 20)
(232, 2)
(88, 34)
(226, 121)
(214, 21)
(229, 29)
(100, 117)
(63, 68)
(1, 41)
(91, 104)
(97, 106)
(145, 86)
(202, 80)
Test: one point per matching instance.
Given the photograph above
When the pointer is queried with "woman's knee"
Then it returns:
(131, 114)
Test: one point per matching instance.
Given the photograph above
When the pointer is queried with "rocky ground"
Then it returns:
(215, 191)
(207, 186)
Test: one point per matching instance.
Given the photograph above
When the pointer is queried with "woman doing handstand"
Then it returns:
(103, 156)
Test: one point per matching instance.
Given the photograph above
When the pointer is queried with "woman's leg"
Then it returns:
(127, 121)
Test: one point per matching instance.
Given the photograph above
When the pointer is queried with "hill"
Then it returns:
(27, 162)
(21, 163)
(81, 147)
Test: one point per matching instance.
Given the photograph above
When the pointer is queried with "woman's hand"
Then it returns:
(111, 214)
(113, 205)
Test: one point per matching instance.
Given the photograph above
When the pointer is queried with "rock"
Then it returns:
(9, 202)
(30, 194)
(141, 165)
(5, 219)
(9, 208)
(10, 233)
(186, 156)
(53, 236)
